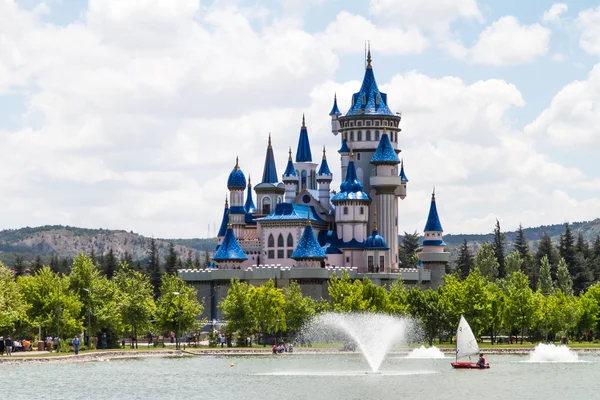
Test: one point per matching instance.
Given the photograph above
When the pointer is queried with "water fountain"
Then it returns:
(552, 353)
(426, 353)
(373, 334)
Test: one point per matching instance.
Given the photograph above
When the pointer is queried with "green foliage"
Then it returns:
(13, 307)
(236, 308)
(464, 262)
(177, 307)
(171, 260)
(397, 299)
(408, 249)
(545, 278)
(498, 245)
(268, 308)
(346, 296)
(520, 305)
(513, 263)
(134, 299)
(563, 278)
(486, 262)
(298, 308)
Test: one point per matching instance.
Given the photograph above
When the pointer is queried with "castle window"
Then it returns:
(362, 211)
(384, 123)
(290, 240)
(377, 135)
(345, 210)
(289, 253)
(271, 241)
(280, 253)
(347, 259)
(368, 136)
(358, 156)
(280, 240)
(381, 262)
(368, 123)
(271, 254)
(377, 99)
(359, 123)
(266, 205)
(351, 123)
(352, 136)
(370, 264)
(359, 136)
(303, 182)
(376, 123)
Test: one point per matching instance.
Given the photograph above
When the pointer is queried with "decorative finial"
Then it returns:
(229, 224)
(402, 163)
(237, 165)
(369, 56)
(249, 184)
(269, 139)
(385, 130)
(351, 152)
(335, 97)
(226, 202)
(375, 217)
(433, 194)
(303, 123)
(290, 156)
(308, 219)
(324, 157)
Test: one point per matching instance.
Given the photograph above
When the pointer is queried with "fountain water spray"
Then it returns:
(552, 353)
(426, 352)
(373, 334)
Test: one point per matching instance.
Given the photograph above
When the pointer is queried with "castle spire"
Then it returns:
(433, 220)
(369, 57)
(303, 154)
(335, 110)
(270, 169)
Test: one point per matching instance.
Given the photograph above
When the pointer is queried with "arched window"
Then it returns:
(271, 241)
(345, 210)
(290, 240)
(352, 136)
(303, 183)
(377, 135)
(362, 211)
(280, 240)
(266, 205)
(368, 136)
(359, 136)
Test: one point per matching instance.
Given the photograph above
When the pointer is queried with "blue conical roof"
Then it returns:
(375, 102)
(403, 177)
(270, 170)
(324, 169)
(230, 249)
(344, 148)
(290, 170)
(224, 220)
(335, 110)
(249, 205)
(375, 241)
(385, 153)
(237, 179)
(351, 188)
(308, 246)
(433, 220)
(303, 153)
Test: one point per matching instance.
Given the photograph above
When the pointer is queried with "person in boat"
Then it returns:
(481, 361)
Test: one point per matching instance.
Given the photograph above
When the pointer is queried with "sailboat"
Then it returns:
(466, 346)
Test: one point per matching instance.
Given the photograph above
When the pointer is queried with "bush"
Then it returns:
(212, 339)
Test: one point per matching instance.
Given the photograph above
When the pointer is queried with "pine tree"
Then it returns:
(171, 260)
(66, 265)
(92, 254)
(546, 285)
(521, 244)
(37, 263)
(566, 248)
(498, 245)
(595, 256)
(19, 265)
(582, 247)
(54, 263)
(408, 248)
(110, 264)
(464, 261)
(563, 280)
(127, 259)
(196, 261)
(546, 248)
(189, 263)
(486, 261)
(153, 267)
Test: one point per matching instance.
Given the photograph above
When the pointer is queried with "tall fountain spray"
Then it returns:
(373, 334)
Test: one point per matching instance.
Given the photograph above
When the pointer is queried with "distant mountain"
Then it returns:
(68, 241)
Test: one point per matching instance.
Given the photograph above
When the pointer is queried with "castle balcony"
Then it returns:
(434, 257)
(390, 181)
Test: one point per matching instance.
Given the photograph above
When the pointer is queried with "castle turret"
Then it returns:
(229, 255)
(236, 183)
(290, 180)
(433, 254)
(305, 168)
(376, 249)
(335, 113)
(386, 183)
(308, 252)
(404, 180)
(224, 222)
(344, 157)
(269, 192)
(324, 178)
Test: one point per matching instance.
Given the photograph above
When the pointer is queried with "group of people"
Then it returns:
(8, 346)
(282, 348)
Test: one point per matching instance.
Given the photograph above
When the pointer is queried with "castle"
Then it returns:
(301, 229)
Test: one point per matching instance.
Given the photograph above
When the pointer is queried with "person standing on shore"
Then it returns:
(1, 346)
(49, 344)
(56, 343)
(76, 344)
(8, 345)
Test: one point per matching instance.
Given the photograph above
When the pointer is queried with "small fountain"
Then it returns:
(373, 334)
(552, 353)
(426, 353)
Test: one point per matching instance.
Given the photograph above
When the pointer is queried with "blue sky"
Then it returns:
(113, 114)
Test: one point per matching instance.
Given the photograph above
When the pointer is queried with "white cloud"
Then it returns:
(588, 21)
(573, 117)
(505, 42)
(558, 57)
(554, 13)
(429, 14)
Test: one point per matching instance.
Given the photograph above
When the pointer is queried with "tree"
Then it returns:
(545, 282)
(298, 308)
(563, 278)
(13, 307)
(521, 244)
(134, 299)
(595, 259)
(397, 302)
(486, 261)
(171, 260)
(177, 306)
(566, 248)
(346, 296)
(37, 263)
(110, 264)
(464, 262)
(497, 309)
(477, 303)
(498, 245)
(375, 296)
(546, 248)
(189, 264)
(127, 259)
(19, 265)
(268, 309)
(453, 299)
(520, 302)
(581, 274)
(425, 305)
(153, 267)
(237, 310)
(513, 263)
(408, 248)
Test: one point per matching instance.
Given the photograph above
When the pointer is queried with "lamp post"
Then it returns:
(178, 322)
(89, 315)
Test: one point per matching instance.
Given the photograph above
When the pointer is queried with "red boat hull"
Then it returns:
(468, 365)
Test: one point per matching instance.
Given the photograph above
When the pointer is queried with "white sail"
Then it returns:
(466, 344)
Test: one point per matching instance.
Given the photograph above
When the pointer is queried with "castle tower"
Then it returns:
(305, 168)
(387, 183)
(344, 157)
(335, 114)
(375, 249)
(236, 183)
(351, 207)
(290, 180)
(324, 178)
(224, 222)
(404, 180)
(432, 254)
(308, 252)
(269, 192)
(229, 255)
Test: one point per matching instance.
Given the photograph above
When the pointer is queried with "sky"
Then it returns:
(130, 114)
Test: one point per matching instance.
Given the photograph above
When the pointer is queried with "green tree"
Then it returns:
(497, 309)
(397, 302)
(513, 263)
(545, 280)
(563, 278)
(171, 260)
(177, 307)
(375, 296)
(595, 259)
(408, 248)
(477, 305)
(588, 319)
(486, 262)
(453, 298)
(13, 307)
(425, 305)
(521, 244)
(19, 265)
(520, 305)
(566, 248)
(237, 310)
(498, 245)
(546, 248)
(298, 308)
(153, 267)
(464, 262)
(37, 263)
(127, 259)
(268, 309)
(189, 263)
(110, 264)
(346, 296)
